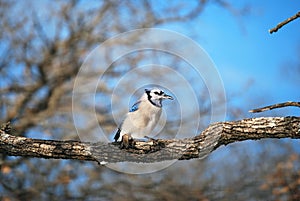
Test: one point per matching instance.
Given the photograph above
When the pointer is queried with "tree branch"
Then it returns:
(279, 105)
(156, 150)
(281, 24)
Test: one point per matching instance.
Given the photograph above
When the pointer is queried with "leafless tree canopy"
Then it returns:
(42, 47)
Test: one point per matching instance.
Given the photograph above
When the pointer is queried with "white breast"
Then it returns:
(140, 123)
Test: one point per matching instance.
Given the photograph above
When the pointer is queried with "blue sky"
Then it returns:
(245, 52)
(248, 58)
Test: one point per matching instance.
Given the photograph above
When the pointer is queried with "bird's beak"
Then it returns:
(166, 96)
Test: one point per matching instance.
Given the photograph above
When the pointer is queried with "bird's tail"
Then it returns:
(117, 135)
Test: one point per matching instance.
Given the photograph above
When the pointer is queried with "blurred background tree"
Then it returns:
(43, 45)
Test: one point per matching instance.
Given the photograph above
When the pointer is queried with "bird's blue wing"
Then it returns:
(135, 107)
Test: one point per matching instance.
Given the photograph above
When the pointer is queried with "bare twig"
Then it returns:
(281, 24)
(279, 105)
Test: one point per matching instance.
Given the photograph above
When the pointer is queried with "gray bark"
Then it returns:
(154, 150)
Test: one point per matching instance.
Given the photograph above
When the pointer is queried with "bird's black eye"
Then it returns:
(156, 93)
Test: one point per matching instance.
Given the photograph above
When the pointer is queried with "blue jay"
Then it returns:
(142, 117)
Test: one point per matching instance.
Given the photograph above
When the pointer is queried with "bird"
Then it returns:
(142, 117)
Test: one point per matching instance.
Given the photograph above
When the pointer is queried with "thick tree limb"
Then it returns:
(214, 136)
(281, 24)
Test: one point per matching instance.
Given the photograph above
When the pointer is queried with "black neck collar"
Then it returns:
(156, 103)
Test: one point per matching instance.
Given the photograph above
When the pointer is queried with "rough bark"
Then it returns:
(155, 150)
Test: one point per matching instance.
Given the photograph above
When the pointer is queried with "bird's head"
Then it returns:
(156, 95)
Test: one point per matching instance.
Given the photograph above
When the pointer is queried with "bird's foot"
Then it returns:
(126, 141)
